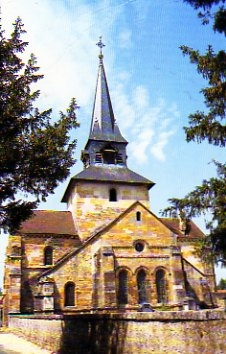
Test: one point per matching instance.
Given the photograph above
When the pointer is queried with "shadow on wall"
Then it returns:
(56, 298)
(27, 299)
(96, 335)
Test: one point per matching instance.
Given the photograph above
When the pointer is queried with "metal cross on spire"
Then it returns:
(100, 44)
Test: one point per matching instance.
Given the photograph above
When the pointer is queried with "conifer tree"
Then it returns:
(210, 126)
(36, 152)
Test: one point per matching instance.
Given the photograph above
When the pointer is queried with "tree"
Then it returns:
(210, 196)
(36, 152)
(222, 284)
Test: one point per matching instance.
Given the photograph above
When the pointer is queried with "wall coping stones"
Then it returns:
(162, 316)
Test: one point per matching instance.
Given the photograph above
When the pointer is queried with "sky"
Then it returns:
(153, 87)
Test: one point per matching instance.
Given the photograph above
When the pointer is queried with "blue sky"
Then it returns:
(153, 87)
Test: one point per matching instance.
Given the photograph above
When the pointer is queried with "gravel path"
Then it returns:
(12, 344)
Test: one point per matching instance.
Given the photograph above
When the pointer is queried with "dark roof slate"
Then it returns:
(103, 125)
(108, 173)
(112, 173)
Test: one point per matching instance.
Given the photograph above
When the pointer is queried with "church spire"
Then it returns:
(104, 156)
(103, 125)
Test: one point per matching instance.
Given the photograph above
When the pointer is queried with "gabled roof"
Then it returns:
(49, 222)
(97, 232)
(193, 230)
(103, 228)
(110, 173)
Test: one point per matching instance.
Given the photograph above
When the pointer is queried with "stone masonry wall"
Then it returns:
(90, 205)
(157, 332)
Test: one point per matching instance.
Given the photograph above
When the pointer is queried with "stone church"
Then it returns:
(108, 251)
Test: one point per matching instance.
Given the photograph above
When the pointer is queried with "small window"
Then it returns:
(98, 158)
(69, 294)
(112, 195)
(138, 216)
(139, 246)
(48, 256)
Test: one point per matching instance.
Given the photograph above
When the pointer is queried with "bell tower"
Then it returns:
(106, 186)
(105, 145)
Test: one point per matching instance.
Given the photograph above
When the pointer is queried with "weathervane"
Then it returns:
(100, 44)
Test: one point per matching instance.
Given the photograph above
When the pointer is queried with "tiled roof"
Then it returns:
(49, 222)
(109, 173)
(173, 224)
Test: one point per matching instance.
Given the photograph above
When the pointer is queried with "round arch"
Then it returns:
(161, 284)
(69, 294)
(123, 275)
(142, 285)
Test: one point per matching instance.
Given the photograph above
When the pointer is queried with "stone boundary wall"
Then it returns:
(155, 332)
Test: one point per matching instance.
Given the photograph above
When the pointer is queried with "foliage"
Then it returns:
(209, 12)
(36, 152)
(210, 196)
(222, 284)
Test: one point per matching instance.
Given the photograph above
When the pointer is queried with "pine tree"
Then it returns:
(36, 152)
(209, 126)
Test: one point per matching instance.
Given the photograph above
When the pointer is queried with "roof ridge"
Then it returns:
(95, 232)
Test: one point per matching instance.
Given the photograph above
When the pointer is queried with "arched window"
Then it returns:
(142, 287)
(69, 294)
(48, 256)
(112, 195)
(109, 155)
(161, 286)
(138, 216)
(123, 287)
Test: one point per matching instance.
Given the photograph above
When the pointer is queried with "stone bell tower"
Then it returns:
(106, 186)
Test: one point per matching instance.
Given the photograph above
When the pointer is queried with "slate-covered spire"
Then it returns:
(105, 145)
(104, 157)
(103, 125)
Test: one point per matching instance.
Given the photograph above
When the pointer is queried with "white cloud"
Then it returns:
(147, 126)
(125, 39)
(141, 98)
(138, 148)
(63, 39)
(157, 149)
(63, 36)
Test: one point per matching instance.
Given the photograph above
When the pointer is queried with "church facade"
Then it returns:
(108, 251)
